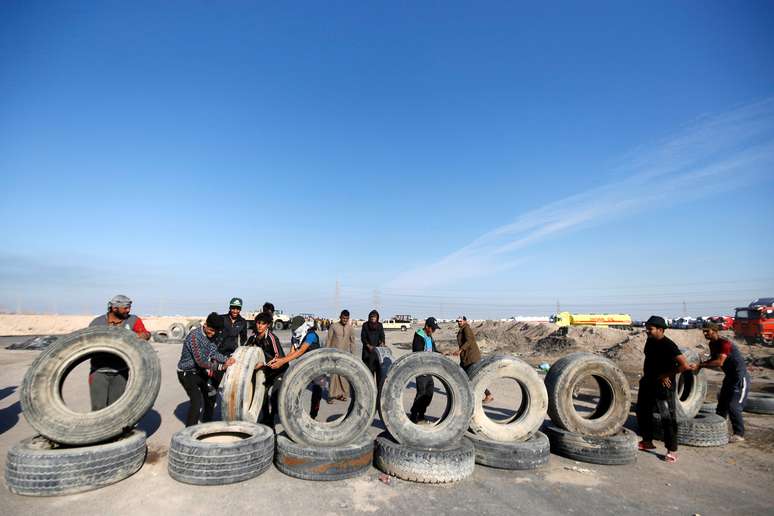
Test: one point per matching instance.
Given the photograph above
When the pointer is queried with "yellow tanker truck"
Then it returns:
(605, 320)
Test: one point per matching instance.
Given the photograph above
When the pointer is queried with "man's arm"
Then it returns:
(139, 329)
(382, 339)
(364, 337)
(243, 335)
(278, 362)
(682, 366)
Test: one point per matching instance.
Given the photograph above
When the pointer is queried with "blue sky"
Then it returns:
(433, 158)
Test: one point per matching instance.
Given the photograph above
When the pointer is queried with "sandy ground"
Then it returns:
(17, 324)
(735, 479)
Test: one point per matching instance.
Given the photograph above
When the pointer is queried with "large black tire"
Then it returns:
(458, 390)
(41, 390)
(617, 449)
(242, 390)
(691, 388)
(706, 429)
(177, 331)
(428, 466)
(759, 403)
(614, 400)
(529, 454)
(324, 463)
(194, 461)
(295, 418)
(39, 467)
(534, 405)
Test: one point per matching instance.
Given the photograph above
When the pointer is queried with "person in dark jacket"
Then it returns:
(272, 349)
(233, 335)
(468, 351)
(372, 336)
(423, 341)
(736, 382)
(199, 356)
(663, 360)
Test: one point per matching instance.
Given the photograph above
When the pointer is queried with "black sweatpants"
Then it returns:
(650, 398)
(371, 360)
(195, 385)
(106, 388)
(731, 400)
(316, 398)
(423, 398)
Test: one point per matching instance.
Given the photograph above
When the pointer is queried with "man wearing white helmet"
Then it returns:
(108, 374)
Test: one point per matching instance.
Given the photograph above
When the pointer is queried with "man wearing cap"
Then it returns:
(108, 373)
(198, 357)
(468, 351)
(423, 341)
(736, 382)
(342, 337)
(663, 360)
(234, 328)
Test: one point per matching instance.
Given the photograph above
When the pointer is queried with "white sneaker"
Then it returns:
(735, 439)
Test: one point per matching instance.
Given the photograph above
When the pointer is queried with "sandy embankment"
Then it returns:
(13, 324)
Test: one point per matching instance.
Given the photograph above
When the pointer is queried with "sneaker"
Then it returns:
(735, 439)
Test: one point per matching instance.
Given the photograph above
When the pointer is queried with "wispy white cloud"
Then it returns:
(702, 159)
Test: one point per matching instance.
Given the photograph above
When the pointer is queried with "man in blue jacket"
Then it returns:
(423, 341)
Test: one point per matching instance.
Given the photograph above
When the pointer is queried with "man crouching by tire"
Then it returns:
(199, 356)
(423, 341)
(272, 349)
(663, 360)
(108, 374)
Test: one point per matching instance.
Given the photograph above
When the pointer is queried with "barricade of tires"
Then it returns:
(77, 452)
(516, 444)
(600, 437)
(311, 450)
(427, 453)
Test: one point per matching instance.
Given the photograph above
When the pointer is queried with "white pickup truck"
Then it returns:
(392, 324)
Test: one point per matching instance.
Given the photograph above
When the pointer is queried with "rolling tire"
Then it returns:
(704, 430)
(278, 325)
(427, 466)
(615, 396)
(242, 391)
(759, 403)
(199, 462)
(328, 463)
(458, 390)
(297, 423)
(39, 467)
(691, 388)
(160, 336)
(41, 390)
(617, 449)
(529, 454)
(534, 406)
(177, 331)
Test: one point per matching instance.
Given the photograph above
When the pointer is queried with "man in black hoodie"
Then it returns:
(372, 336)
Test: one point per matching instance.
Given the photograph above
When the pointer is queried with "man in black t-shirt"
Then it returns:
(663, 360)
(272, 349)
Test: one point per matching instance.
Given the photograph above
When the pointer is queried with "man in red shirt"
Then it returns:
(107, 379)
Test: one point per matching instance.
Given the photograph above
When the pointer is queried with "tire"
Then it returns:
(458, 390)
(177, 331)
(159, 336)
(385, 363)
(194, 461)
(278, 326)
(329, 463)
(242, 391)
(704, 430)
(529, 454)
(615, 396)
(41, 396)
(191, 326)
(428, 466)
(617, 449)
(38, 467)
(403, 328)
(691, 388)
(295, 418)
(534, 406)
(759, 403)
(708, 407)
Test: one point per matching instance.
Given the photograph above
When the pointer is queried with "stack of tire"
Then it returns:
(599, 438)
(234, 450)
(695, 427)
(77, 452)
(426, 453)
(516, 444)
(334, 450)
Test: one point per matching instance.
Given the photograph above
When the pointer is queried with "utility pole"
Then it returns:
(336, 299)
(685, 309)
(558, 306)
(376, 299)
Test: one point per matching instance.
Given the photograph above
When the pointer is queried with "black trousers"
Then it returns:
(371, 360)
(195, 385)
(423, 398)
(731, 400)
(270, 407)
(106, 388)
(316, 398)
(654, 397)
(467, 369)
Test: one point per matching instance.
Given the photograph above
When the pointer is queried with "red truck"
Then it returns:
(755, 323)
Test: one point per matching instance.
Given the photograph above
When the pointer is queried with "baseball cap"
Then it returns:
(432, 323)
(235, 301)
(656, 321)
